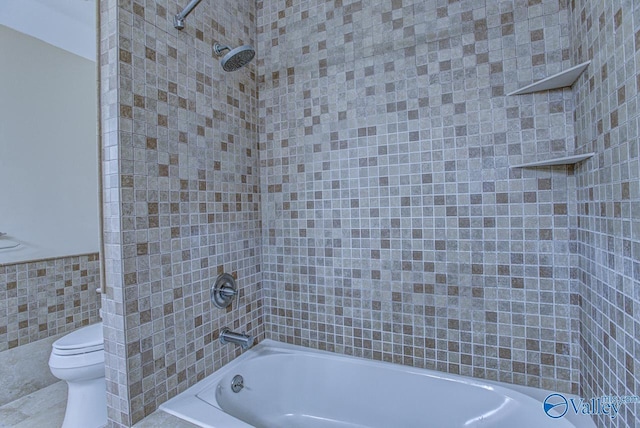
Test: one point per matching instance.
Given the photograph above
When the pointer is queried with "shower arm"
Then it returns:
(218, 49)
(178, 20)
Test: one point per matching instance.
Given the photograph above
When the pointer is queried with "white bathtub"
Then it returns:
(288, 386)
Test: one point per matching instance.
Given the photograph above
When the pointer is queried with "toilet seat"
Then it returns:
(82, 341)
(77, 351)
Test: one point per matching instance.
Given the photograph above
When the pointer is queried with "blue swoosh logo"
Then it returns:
(551, 402)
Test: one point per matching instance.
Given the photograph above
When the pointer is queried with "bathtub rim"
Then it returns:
(183, 404)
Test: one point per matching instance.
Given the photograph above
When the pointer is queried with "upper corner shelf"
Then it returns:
(567, 160)
(560, 80)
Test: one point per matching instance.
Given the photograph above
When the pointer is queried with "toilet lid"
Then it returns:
(85, 339)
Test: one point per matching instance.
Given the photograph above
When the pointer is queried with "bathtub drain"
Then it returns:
(237, 383)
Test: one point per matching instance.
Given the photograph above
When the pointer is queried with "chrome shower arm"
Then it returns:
(218, 49)
(178, 20)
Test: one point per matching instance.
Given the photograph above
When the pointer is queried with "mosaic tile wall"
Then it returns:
(115, 351)
(393, 225)
(608, 238)
(182, 201)
(40, 299)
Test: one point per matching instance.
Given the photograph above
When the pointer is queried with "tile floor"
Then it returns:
(42, 409)
(45, 409)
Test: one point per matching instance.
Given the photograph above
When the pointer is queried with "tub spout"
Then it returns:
(228, 336)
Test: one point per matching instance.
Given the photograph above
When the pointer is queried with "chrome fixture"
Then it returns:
(237, 383)
(236, 58)
(228, 336)
(223, 291)
(178, 20)
(232, 61)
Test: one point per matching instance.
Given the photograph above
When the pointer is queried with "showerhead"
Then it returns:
(235, 58)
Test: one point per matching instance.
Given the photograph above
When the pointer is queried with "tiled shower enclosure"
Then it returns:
(357, 179)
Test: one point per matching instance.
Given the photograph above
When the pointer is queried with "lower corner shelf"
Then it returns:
(567, 160)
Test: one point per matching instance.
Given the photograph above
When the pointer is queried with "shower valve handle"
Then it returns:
(228, 291)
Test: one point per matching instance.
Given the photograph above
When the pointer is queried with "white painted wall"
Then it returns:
(48, 150)
(67, 24)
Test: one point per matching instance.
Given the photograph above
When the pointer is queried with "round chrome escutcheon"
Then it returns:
(224, 291)
(237, 383)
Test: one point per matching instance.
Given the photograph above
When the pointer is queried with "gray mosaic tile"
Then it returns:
(393, 226)
(377, 215)
(181, 197)
(607, 123)
(40, 299)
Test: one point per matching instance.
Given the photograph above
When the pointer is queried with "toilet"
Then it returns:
(78, 359)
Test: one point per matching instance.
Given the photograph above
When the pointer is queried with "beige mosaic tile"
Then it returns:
(394, 228)
(608, 242)
(44, 298)
(182, 201)
(356, 178)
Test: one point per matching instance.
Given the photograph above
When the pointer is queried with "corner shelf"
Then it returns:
(567, 160)
(560, 80)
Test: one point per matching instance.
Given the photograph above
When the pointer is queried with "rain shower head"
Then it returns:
(235, 58)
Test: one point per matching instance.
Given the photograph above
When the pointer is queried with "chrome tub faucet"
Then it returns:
(242, 339)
